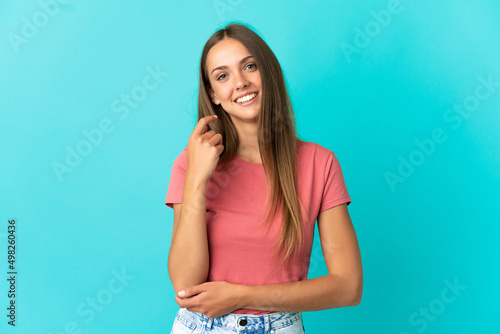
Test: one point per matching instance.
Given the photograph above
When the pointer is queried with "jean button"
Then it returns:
(243, 322)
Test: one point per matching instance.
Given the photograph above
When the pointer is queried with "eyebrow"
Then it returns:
(224, 66)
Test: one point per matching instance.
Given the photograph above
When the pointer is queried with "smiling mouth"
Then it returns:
(246, 98)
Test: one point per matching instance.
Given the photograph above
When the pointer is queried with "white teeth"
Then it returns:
(246, 98)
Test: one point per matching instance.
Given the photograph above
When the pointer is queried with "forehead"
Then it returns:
(227, 52)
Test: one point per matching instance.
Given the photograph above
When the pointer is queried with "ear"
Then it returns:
(212, 95)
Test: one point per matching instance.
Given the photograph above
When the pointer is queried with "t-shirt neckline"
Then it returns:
(248, 163)
(254, 164)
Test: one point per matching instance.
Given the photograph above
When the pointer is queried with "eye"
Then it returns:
(220, 76)
(252, 64)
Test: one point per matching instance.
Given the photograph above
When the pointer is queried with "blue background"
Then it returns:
(369, 91)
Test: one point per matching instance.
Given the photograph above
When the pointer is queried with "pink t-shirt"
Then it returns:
(240, 250)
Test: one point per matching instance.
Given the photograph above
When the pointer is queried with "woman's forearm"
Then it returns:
(320, 293)
(188, 259)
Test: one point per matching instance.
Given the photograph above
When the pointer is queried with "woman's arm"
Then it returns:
(314, 294)
(188, 259)
(342, 286)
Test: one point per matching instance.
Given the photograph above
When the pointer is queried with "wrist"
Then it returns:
(243, 293)
(193, 180)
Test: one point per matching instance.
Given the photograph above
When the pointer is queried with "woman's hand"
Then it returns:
(213, 299)
(203, 149)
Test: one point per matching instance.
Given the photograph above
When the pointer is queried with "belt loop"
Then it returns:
(267, 323)
(210, 321)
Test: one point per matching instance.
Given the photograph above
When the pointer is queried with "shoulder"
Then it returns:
(317, 159)
(309, 150)
(181, 159)
(183, 152)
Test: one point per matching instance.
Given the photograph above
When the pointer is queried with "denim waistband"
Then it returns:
(250, 322)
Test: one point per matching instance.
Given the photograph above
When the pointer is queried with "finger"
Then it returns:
(209, 134)
(184, 303)
(203, 122)
(180, 302)
(216, 139)
(189, 292)
(196, 289)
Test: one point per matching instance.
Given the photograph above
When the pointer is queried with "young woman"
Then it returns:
(246, 194)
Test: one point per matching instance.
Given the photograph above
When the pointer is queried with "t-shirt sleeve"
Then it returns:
(335, 191)
(176, 184)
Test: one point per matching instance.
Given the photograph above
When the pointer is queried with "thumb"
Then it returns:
(194, 290)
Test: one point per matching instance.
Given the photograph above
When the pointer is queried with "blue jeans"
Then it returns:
(187, 322)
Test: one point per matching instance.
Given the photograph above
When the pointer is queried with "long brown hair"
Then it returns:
(277, 134)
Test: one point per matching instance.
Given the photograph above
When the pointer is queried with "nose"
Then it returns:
(240, 80)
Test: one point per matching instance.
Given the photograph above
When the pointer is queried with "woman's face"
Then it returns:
(233, 75)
